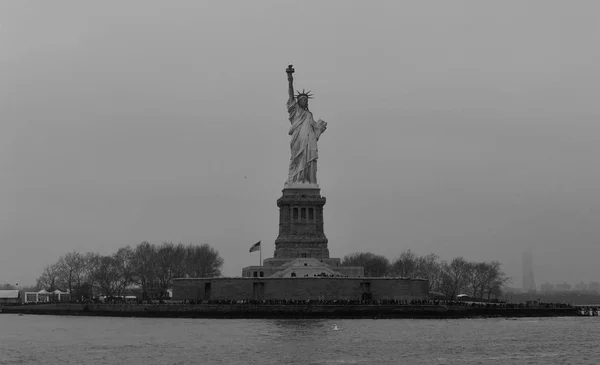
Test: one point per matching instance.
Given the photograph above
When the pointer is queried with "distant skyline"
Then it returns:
(458, 128)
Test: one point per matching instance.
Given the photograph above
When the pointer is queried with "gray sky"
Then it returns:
(463, 128)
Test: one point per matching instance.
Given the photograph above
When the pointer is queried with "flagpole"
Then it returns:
(260, 255)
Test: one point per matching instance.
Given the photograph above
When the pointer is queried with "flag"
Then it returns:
(255, 247)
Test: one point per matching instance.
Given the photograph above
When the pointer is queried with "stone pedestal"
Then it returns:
(301, 246)
(301, 232)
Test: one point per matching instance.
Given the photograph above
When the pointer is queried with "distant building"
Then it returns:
(513, 290)
(10, 297)
(547, 287)
(44, 296)
(528, 279)
(563, 287)
(581, 286)
(594, 287)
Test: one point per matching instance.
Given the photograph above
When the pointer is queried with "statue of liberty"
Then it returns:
(305, 133)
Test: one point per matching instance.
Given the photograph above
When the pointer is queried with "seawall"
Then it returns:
(299, 289)
(285, 311)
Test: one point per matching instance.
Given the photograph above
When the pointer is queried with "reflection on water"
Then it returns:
(102, 340)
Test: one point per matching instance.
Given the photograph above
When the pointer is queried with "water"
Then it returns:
(32, 339)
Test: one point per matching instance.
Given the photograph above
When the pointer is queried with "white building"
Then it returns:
(44, 296)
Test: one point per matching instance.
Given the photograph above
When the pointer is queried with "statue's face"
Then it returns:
(303, 102)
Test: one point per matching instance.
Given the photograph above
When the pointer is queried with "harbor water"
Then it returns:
(37, 339)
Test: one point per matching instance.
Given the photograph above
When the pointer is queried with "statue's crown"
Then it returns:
(306, 94)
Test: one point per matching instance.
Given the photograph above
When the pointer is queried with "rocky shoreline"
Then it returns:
(287, 311)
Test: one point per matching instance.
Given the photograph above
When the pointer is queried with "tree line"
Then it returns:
(152, 268)
(458, 276)
(146, 266)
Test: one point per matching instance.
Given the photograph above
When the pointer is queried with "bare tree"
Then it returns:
(124, 262)
(374, 265)
(476, 277)
(454, 275)
(429, 268)
(170, 263)
(405, 265)
(107, 275)
(203, 261)
(88, 280)
(495, 280)
(71, 269)
(144, 267)
(178, 261)
(49, 279)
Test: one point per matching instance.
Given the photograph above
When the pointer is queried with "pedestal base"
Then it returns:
(301, 224)
(301, 246)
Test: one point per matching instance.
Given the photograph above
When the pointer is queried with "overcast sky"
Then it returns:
(462, 128)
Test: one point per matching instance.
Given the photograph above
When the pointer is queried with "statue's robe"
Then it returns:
(305, 133)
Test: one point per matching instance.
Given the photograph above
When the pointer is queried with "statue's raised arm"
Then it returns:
(290, 71)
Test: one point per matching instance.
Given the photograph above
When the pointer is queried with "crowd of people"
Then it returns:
(394, 302)
(320, 302)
